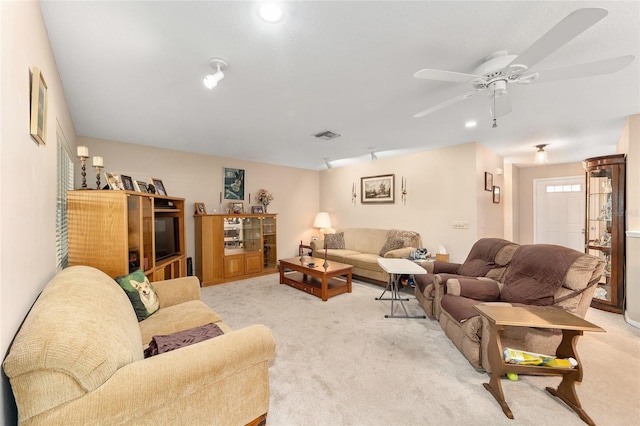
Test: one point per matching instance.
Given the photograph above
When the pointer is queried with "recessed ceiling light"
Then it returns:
(270, 12)
(470, 124)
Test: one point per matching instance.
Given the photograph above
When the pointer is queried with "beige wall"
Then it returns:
(525, 190)
(630, 144)
(511, 203)
(443, 185)
(198, 178)
(28, 184)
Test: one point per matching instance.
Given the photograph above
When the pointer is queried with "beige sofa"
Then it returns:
(78, 359)
(362, 248)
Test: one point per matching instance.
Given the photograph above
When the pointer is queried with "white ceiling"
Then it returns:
(132, 72)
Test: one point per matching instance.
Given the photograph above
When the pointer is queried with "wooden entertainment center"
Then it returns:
(120, 231)
(235, 246)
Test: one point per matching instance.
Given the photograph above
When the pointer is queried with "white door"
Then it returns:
(559, 205)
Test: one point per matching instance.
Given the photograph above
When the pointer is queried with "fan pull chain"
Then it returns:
(495, 122)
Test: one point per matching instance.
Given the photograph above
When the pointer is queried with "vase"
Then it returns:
(265, 207)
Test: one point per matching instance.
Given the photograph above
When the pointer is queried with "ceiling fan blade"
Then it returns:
(607, 66)
(447, 103)
(567, 29)
(500, 105)
(450, 76)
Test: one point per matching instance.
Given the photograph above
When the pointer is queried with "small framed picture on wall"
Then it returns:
(488, 181)
(496, 194)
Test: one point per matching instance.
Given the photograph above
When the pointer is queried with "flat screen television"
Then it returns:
(167, 239)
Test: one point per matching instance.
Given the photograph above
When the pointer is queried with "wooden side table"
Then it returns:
(572, 327)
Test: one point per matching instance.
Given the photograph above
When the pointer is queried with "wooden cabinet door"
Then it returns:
(253, 263)
(233, 265)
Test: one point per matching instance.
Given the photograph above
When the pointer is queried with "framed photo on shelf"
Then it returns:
(159, 186)
(200, 210)
(114, 181)
(256, 209)
(236, 208)
(141, 186)
(38, 107)
(127, 183)
(233, 184)
(488, 181)
(377, 189)
(496, 194)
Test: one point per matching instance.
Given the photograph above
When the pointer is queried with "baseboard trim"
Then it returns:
(629, 321)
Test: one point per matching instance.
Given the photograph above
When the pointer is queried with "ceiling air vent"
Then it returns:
(326, 135)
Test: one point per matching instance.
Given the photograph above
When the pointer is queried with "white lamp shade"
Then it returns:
(541, 157)
(322, 220)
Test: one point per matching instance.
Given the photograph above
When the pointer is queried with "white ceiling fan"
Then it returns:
(501, 69)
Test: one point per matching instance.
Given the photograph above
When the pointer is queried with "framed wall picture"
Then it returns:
(114, 181)
(488, 181)
(159, 186)
(38, 107)
(127, 183)
(236, 208)
(377, 189)
(200, 210)
(233, 184)
(496, 194)
(256, 209)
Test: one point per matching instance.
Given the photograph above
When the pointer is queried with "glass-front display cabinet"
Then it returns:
(605, 223)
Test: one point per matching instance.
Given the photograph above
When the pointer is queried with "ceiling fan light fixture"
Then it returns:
(541, 155)
(210, 81)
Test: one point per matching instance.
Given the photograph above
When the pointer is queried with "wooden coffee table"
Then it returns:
(317, 279)
(572, 327)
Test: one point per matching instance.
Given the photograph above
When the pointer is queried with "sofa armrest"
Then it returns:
(399, 253)
(223, 380)
(482, 289)
(317, 245)
(177, 290)
(445, 267)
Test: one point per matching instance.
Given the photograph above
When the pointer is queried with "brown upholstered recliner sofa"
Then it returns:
(538, 274)
(78, 359)
(488, 257)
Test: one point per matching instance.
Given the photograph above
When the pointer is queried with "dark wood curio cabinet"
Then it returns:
(605, 225)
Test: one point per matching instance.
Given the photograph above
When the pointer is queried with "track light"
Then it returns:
(541, 155)
(373, 154)
(326, 161)
(212, 80)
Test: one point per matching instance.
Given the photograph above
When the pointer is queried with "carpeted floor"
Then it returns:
(341, 362)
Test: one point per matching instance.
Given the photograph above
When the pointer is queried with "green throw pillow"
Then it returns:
(141, 293)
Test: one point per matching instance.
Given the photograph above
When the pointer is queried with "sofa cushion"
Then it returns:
(140, 292)
(409, 238)
(363, 261)
(334, 241)
(178, 318)
(537, 271)
(474, 288)
(459, 307)
(56, 347)
(392, 243)
(180, 339)
(482, 257)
